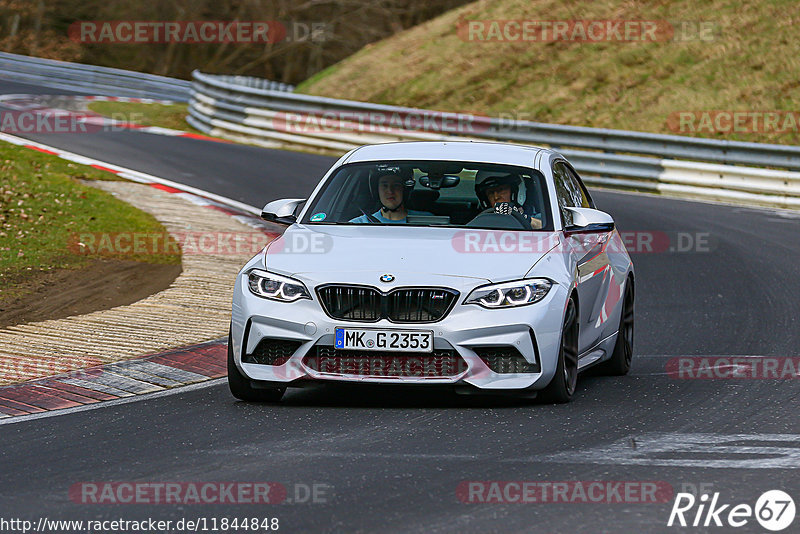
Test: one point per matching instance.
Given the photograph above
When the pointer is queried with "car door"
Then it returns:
(588, 255)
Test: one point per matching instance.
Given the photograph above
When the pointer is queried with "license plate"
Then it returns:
(375, 339)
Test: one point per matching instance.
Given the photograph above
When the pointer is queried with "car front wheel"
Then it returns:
(620, 362)
(562, 386)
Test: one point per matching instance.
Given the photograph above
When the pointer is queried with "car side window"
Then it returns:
(586, 201)
(565, 192)
(569, 191)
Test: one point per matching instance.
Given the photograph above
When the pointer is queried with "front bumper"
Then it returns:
(533, 330)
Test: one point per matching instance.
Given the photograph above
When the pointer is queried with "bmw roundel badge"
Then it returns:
(387, 278)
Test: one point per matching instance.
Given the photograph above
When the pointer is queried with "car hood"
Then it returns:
(361, 254)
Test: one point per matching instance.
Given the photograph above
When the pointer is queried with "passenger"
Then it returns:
(392, 191)
(498, 194)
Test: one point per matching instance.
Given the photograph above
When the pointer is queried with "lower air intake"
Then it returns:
(272, 351)
(505, 360)
(439, 363)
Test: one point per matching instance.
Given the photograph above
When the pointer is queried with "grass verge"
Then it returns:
(164, 115)
(747, 62)
(43, 206)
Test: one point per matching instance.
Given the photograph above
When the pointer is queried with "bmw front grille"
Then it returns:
(401, 305)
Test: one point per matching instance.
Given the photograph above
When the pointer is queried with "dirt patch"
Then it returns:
(103, 284)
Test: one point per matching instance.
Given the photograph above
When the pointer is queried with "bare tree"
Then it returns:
(318, 32)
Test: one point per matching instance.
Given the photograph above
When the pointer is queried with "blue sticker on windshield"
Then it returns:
(318, 217)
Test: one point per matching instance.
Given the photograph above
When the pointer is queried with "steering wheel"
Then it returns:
(501, 221)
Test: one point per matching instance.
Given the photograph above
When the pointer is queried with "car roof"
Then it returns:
(477, 151)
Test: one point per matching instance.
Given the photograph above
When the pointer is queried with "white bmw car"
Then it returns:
(480, 266)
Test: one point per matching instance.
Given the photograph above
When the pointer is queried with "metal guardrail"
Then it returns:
(272, 116)
(98, 81)
(255, 83)
(268, 113)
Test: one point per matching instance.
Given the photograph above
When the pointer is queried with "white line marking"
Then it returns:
(158, 130)
(132, 174)
(115, 402)
(702, 356)
(732, 451)
(387, 455)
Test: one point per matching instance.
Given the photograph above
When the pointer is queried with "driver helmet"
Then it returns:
(485, 180)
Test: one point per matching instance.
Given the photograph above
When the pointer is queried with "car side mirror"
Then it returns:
(589, 220)
(283, 211)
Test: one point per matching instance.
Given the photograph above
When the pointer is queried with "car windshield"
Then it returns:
(433, 193)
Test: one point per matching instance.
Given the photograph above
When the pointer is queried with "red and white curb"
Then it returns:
(28, 101)
(148, 374)
(126, 99)
(151, 374)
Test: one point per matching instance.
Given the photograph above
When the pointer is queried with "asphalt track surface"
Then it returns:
(390, 459)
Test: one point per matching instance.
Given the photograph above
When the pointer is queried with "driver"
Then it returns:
(392, 190)
(498, 194)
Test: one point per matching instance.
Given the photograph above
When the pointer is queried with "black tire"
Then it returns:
(240, 385)
(562, 387)
(620, 362)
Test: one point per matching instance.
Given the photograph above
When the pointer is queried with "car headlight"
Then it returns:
(510, 294)
(276, 287)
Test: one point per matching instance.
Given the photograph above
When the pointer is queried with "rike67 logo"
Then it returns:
(774, 510)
